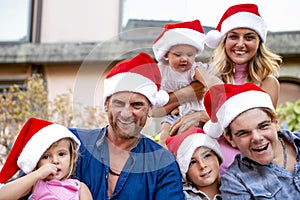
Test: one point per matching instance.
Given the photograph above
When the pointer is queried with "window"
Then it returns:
(15, 20)
(144, 20)
(289, 89)
(13, 75)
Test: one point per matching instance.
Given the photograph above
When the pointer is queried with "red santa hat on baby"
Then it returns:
(184, 145)
(237, 16)
(190, 33)
(225, 102)
(139, 74)
(33, 140)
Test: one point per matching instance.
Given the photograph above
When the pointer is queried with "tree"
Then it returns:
(17, 105)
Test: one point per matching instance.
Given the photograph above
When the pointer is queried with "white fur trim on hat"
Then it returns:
(133, 82)
(245, 20)
(235, 106)
(213, 38)
(178, 36)
(40, 142)
(214, 130)
(238, 20)
(188, 147)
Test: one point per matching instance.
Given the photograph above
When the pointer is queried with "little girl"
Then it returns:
(47, 153)
(199, 157)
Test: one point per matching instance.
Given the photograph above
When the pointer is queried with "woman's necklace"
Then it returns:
(284, 152)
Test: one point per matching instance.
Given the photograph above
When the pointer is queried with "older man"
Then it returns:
(117, 161)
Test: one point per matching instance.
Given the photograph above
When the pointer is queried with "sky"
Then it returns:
(279, 15)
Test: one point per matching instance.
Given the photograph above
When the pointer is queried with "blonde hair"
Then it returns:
(73, 157)
(263, 64)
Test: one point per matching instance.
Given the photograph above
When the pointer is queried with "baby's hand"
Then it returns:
(46, 170)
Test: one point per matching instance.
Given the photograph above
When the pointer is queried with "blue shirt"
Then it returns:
(150, 172)
(245, 179)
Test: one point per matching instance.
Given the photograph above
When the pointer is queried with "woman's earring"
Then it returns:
(166, 59)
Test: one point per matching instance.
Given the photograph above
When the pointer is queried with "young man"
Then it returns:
(268, 166)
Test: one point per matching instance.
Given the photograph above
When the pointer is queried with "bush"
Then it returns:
(289, 115)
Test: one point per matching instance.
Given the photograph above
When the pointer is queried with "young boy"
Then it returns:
(199, 157)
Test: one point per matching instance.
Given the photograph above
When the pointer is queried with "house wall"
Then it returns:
(60, 78)
(69, 27)
(79, 20)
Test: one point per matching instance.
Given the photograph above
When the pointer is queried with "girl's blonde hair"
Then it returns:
(263, 64)
(73, 156)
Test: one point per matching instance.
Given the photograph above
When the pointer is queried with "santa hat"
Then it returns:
(190, 33)
(184, 145)
(225, 102)
(33, 140)
(139, 74)
(237, 16)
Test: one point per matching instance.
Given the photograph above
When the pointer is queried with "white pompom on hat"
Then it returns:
(237, 16)
(184, 145)
(139, 74)
(224, 102)
(190, 33)
(35, 137)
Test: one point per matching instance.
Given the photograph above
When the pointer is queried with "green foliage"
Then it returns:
(60, 109)
(289, 115)
(156, 137)
(17, 105)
